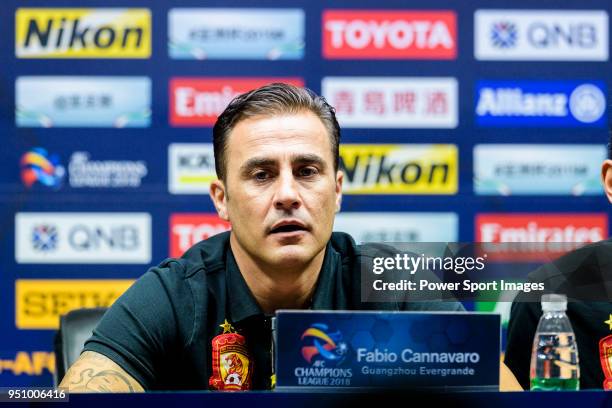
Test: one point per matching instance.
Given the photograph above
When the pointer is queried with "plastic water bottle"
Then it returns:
(554, 357)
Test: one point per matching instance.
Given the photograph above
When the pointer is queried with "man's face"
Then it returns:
(281, 191)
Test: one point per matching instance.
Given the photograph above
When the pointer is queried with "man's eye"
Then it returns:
(308, 171)
(261, 176)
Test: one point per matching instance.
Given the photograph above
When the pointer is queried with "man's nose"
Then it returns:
(287, 195)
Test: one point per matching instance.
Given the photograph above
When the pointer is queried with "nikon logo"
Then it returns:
(399, 169)
(82, 33)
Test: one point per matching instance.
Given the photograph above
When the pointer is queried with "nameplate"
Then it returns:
(334, 349)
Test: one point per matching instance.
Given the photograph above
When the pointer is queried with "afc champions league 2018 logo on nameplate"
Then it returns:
(319, 343)
(324, 350)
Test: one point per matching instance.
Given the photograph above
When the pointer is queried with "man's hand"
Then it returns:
(93, 372)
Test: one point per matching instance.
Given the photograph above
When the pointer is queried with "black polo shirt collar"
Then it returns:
(327, 287)
(242, 303)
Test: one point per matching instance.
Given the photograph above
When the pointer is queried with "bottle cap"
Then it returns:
(554, 303)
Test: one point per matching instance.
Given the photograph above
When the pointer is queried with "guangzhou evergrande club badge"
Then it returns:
(605, 357)
(232, 367)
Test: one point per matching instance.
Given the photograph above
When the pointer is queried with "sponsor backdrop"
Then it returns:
(461, 121)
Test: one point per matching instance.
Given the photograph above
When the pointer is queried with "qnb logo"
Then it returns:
(321, 344)
(504, 34)
(38, 166)
(587, 103)
(44, 238)
(553, 35)
(90, 238)
(541, 35)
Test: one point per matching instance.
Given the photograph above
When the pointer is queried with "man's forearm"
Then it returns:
(93, 372)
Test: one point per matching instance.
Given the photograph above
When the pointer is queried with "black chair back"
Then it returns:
(75, 328)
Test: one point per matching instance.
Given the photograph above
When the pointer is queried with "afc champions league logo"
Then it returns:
(320, 344)
(39, 166)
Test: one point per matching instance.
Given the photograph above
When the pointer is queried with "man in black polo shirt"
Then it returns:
(276, 157)
(584, 276)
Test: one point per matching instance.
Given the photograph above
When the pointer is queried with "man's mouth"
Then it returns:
(287, 227)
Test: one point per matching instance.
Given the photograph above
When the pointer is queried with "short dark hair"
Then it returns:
(269, 100)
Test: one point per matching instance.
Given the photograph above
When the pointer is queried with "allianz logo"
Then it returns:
(586, 103)
(513, 101)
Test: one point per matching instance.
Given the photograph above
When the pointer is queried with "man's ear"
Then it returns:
(606, 178)
(339, 180)
(219, 198)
